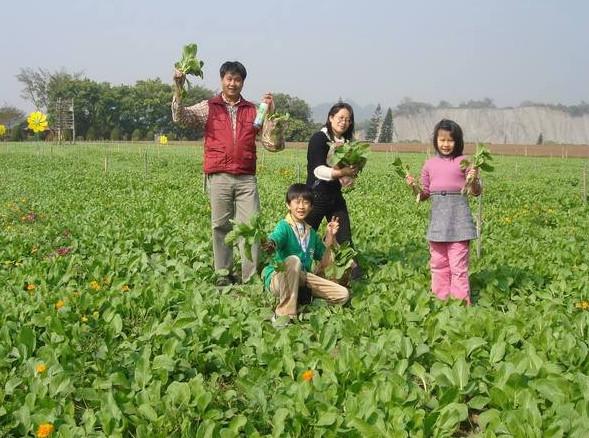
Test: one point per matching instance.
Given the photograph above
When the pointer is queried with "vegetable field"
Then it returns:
(110, 324)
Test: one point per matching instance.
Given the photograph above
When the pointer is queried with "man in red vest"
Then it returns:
(229, 161)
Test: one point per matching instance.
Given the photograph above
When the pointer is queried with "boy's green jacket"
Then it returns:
(287, 244)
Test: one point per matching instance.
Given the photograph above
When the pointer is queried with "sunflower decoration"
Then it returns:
(37, 122)
(2, 130)
(163, 139)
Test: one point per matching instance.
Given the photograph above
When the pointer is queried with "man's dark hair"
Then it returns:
(233, 67)
(299, 190)
(456, 133)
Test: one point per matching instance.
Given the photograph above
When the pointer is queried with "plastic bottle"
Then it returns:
(262, 108)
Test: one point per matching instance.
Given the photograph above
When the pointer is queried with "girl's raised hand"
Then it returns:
(410, 180)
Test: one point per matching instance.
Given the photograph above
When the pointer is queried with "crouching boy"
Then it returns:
(296, 245)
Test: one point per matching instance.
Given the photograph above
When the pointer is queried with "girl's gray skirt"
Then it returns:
(450, 218)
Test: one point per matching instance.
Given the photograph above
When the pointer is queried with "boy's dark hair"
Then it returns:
(233, 67)
(456, 133)
(299, 190)
(333, 111)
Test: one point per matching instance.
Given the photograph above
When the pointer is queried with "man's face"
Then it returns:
(231, 84)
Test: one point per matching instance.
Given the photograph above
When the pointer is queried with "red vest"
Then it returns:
(223, 153)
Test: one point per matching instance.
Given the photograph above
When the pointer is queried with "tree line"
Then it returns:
(125, 112)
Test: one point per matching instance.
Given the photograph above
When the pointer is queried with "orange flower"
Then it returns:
(308, 375)
(125, 288)
(31, 287)
(41, 368)
(94, 285)
(44, 430)
(59, 304)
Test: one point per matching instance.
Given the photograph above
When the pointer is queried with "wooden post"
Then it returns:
(105, 164)
(480, 222)
(298, 172)
(585, 184)
(145, 161)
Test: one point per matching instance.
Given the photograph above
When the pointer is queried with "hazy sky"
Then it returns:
(369, 51)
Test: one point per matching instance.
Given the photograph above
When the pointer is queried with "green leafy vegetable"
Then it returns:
(342, 261)
(403, 171)
(352, 153)
(480, 160)
(189, 64)
(252, 233)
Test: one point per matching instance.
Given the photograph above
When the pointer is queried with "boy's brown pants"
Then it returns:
(285, 285)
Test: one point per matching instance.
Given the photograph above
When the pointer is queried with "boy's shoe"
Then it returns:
(279, 322)
(357, 272)
(225, 280)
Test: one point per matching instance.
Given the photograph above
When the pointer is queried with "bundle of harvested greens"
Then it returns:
(340, 268)
(189, 64)
(273, 138)
(480, 160)
(351, 153)
(252, 233)
(403, 171)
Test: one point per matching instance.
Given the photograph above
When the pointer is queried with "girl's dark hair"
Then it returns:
(233, 67)
(333, 111)
(456, 133)
(299, 190)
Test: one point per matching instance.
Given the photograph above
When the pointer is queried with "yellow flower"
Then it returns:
(125, 288)
(59, 304)
(163, 139)
(2, 130)
(94, 285)
(583, 305)
(95, 314)
(44, 430)
(308, 375)
(34, 249)
(37, 121)
(84, 318)
(41, 368)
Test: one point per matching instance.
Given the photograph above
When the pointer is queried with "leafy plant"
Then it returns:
(342, 261)
(251, 232)
(480, 160)
(189, 64)
(350, 153)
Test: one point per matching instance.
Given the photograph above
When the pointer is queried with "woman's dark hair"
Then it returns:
(333, 111)
(456, 133)
(233, 67)
(299, 190)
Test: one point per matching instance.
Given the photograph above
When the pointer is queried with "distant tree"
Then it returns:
(386, 131)
(137, 135)
(540, 139)
(374, 126)
(297, 108)
(39, 83)
(300, 126)
(408, 107)
(486, 103)
(9, 115)
(115, 134)
(444, 104)
(91, 133)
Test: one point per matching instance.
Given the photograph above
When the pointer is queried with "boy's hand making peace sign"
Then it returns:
(332, 229)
